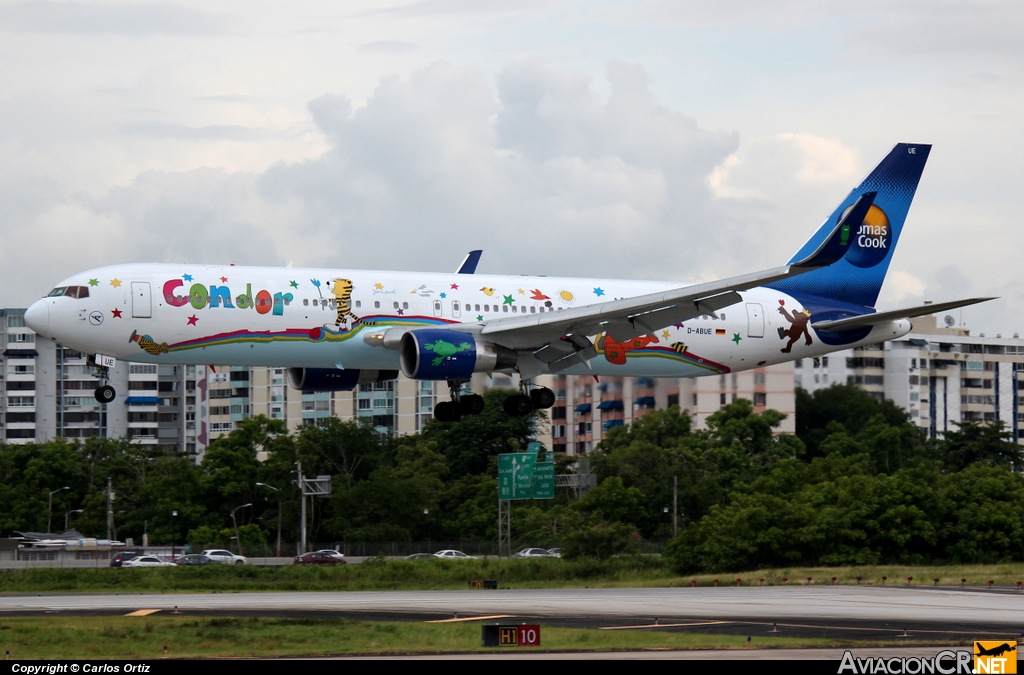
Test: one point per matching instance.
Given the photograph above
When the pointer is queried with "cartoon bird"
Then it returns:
(489, 292)
(537, 295)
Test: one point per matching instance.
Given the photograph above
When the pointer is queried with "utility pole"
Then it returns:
(110, 510)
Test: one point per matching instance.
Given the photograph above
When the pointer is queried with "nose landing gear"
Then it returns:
(104, 393)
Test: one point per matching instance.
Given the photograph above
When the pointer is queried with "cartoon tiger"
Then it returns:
(342, 289)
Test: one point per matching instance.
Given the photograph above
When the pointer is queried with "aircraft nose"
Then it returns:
(37, 316)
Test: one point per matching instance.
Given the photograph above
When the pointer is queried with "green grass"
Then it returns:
(635, 571)
(208, 637)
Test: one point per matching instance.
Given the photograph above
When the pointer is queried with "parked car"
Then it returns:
(533, 553)
(193, 559)
(331, 552)
(146, 561)
(555, 552)
(319, 558)
(451, 554)
(118, 560)
(219, 555)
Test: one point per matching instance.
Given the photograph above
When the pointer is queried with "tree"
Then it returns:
(472, 444)
(844, 404)
(973, 442)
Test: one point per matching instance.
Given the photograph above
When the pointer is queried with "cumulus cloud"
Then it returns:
(539, 170)
(542, 172)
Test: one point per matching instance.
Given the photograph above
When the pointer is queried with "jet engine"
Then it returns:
(429, 354)
(335, 379)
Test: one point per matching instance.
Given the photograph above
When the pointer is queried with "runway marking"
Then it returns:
(669, 625)
(143, 612)
(472, 618)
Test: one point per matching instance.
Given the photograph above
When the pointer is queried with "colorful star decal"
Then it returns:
(508, 300)
(116, 283)
(443, 295)
(293, 283)
(665, 334)
(521, 291)
(678, 325)
(192, 320)
(116, 313)
(736, 338)
(479, 317)
(186, 277)
(379, 286)
(94, 282)
(599, 292)
(455, 287)
(223, 280)
(401, 311)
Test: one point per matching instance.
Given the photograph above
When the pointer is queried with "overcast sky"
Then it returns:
(644, 139)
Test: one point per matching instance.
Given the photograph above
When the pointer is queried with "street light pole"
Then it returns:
(235, 523)
(49, 508)
(278, 552)
(67, 515)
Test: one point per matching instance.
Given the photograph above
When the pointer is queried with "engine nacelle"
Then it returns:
(335, 379)
(429, 354)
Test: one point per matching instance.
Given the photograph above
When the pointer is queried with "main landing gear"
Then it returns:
(528, 400)
(460, 405)
(518, 405)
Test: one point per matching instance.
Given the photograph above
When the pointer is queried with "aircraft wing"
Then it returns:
(560, 338)
(863, 320)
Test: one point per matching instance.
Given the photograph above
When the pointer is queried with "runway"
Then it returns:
(855, 607)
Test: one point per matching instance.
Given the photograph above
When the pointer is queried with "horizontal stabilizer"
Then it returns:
(863, 320)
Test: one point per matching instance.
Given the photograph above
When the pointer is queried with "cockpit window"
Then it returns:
(70, 291)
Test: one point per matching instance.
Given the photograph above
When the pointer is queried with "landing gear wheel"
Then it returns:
(447, 411)
(518, 405)
(542, 398)
(471, 404)
(105, 393)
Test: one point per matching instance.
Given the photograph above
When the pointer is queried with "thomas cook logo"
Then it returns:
(871, 240)
(993, 656)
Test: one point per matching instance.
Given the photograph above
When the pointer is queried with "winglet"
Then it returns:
(470, 262)
(838, 243)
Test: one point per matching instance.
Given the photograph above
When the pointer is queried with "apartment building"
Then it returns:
(940, 374)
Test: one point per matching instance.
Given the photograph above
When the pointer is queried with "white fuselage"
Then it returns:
(321, 318)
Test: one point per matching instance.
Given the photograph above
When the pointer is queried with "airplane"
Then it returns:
(336, 329)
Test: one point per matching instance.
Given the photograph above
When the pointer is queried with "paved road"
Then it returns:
(891, 605)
